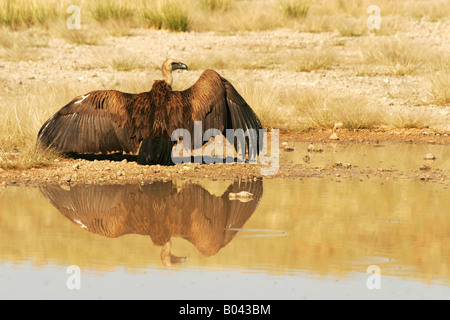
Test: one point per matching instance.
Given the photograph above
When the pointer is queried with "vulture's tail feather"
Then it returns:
(155, 151)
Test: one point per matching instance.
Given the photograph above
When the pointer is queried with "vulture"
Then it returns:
(159, 210)
(106, 121)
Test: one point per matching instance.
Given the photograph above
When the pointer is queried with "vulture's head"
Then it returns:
(170, 65)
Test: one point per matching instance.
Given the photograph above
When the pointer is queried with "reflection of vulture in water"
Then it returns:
(209, 222)
(108, 120)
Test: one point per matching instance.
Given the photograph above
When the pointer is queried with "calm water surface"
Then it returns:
(296, 239)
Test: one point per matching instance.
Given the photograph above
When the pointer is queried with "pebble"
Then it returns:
(313, 148)
(334, 136)
(430, 156)
(338, 125)
(242, 196)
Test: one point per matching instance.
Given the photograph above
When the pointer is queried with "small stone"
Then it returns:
(334, 136)
(425, 168)
(313, 148)
(430, 156)
(242, 196)
(338, 125)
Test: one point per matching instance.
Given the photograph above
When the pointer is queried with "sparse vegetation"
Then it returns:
(27, 13)
(14, 47)
(295, 8)
(325, 108)
(83, 36)
(103, 11)
(440, 88)
(316, 59)
(217, 5)
(319, 43)
(125, 64)
(398, 56)
(167, 14)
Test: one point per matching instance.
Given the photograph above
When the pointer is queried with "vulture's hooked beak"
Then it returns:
(179, 66)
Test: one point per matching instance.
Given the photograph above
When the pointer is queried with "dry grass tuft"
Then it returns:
(440, 89)
(19, 47)
(22, 115)
(409, 119)
(311, 60)
(103, 11)
(324, 108)
(172, 15)
(398, 56)
(217, 5)
(126, 64)
(84, 36)
(295, 8)
(265, 100)
(26, 13)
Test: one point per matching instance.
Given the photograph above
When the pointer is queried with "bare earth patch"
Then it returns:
(121, 169)
(267, 67)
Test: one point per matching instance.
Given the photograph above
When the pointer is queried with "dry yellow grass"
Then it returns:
(325, 108)
(384, 52)
(21, 116)
(347, 17)
(313, 59)
(19, 47)
(440, 88)
(399, 56)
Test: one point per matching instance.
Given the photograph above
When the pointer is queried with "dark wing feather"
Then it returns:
(216, 103)
(98, 209)
(96, 122)
(239, 212)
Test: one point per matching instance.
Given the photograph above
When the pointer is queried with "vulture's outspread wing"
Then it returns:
(95, 122)
(218, 105)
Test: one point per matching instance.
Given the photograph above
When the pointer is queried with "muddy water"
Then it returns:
(292, 239)
(396, 156)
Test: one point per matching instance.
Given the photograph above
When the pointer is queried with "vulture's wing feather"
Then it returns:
(92, 123)
(98, 209)
(216, 103)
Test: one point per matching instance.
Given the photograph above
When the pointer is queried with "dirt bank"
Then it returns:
(117, 168)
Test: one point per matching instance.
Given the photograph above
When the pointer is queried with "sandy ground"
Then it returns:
(61, 62)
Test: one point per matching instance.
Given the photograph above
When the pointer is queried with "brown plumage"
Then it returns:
(108, 120)
(160, 211)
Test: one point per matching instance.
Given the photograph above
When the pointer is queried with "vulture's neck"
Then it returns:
(161, 87)
(167, 76)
